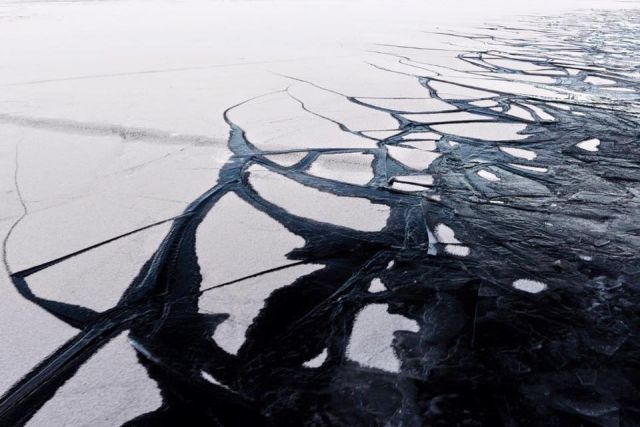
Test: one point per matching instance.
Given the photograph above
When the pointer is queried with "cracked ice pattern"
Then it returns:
(472, 260)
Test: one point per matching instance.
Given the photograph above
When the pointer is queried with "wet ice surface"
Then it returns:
(434, 225)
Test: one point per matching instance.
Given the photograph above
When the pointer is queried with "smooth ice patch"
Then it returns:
(485, 103)
(489, 176)
(540, 113)
(413, 158)
(453, 91)
(458, 116)
(409, 105)
(111, 388)
(560, 106)
(528, 285)
(376, 286)
(338, 108)
(424, 179)
(421, 135)
(372, 337)
(307, 202)
(354, 168)
(407, 187)
(207, 376)
(278, 122)
(599, 81)
(520, 113)
(519, 152)
(457, 250)
(486, 131)
(317, 361)
(243, 301)
(529, 168)
(96, 279)
(286, 159)
(589, 144)
(445, 234)
(235, 240)
(513, 64)
(381, 134)
(421, 145)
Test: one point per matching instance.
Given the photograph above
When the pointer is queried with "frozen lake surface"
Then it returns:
(320, 213)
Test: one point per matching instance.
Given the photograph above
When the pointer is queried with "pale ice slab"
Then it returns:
(421, 145)
(599, 81)
(300, 200)
(453, 91)
(338, 108)
(81, 190)
(207, 376)
(519, 152)
(560, 106)
(371, 342)
(111, 388)
(403, 186)
(28, 334)
(445, 234)
(377, 286)
(515, 64)
(381, 134)
(540, 113)
(317, 361)
(489, 176)
(287, 159)
(457, 250)
(528, 285)
(589, 145)
(492, 86)
(484, 103)
(529, 168)
(243, 302)
(236, 240)
(354, 168)
(96, 279)
(409, 105)
(488, 131)
(423, 179)
(414, 158)
(519, 112)
(421, 136)
(430, 118)
(278, 122)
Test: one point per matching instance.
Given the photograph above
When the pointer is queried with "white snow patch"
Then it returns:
(317, 361)
(483, 130)
(529, 168)
(377, 286)
(287, 159)
(489, 176)
(413, 158)
(484, 103)
(457, 250)
(598, 81)
(307, 202)
(372, 336)
(446, 235)
(589, 144)
(207, 376)
(528, 285)
(541, 113)
(111, 388)
(519, 152)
